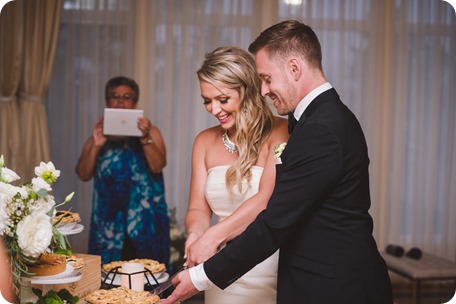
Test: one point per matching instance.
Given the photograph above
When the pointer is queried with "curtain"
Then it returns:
(10, 72)
(392, 65)
(41, 21)
(389, 60)
(29, 35)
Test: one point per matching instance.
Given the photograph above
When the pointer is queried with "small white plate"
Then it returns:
(161, 277)
(66, 226)
(76, 229)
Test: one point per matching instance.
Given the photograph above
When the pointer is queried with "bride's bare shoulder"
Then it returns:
(209, 135)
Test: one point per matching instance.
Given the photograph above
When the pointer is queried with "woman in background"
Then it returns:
(130, 215)
(233, 170)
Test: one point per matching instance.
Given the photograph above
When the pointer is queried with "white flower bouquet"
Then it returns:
(26, 212)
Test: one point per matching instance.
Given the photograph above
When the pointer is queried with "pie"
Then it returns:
(151, 265)
(121, 295)
(65, 217)
(77, 263)
(48, 264)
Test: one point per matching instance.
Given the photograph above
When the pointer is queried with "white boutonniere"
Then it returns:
(278, 151)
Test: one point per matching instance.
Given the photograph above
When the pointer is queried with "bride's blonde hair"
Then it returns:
(235, 67)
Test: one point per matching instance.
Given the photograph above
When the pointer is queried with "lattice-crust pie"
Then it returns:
(121, 295)
(65, 217)
(152, 265)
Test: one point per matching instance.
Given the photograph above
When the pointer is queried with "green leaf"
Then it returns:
(38, 292)
(53, 297)
(41, 192)
(67, 296)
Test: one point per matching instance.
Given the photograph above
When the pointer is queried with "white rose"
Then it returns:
(4, 218)
(34, 234)
(42, 204)
(39, 183)
(9, 190)
(8, 175)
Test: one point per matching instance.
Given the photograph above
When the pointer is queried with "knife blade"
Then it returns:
(166, 285)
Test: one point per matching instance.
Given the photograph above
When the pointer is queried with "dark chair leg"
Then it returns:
(416, 291)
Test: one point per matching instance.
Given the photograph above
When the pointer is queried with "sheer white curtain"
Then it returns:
(392, 63)
(389, 60)
(96, 42)
(161, 44)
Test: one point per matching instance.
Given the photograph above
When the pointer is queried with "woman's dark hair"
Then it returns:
(121, 81)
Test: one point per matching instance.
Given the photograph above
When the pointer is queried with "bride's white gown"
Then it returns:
(259, 284)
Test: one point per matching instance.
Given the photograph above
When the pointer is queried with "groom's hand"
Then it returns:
(184, 289)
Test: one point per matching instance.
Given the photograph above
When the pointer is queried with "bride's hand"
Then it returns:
(191, 238)
(200, 250)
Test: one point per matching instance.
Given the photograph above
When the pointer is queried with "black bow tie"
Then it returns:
(291, 122)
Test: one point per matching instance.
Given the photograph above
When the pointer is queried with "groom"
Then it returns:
(318, 213)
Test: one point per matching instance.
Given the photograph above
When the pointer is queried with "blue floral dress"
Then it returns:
(129, 208)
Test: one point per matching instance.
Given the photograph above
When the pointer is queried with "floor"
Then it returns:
(432, 292)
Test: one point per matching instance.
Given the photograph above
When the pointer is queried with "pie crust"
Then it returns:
(64, 217)
(121, 295)
(151, 265)
(77, 263)
(48, 264)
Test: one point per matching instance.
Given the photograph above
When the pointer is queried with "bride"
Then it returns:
(233, 170)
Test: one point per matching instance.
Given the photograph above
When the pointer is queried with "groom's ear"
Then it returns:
(294, 67)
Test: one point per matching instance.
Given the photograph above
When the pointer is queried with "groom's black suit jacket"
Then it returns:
(317, 216)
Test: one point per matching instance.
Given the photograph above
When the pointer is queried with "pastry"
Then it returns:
(48, 264)
(65, 217)
(151, 265)
(121, 295)
(77, 263)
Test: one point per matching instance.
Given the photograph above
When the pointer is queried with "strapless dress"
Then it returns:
(259, 285)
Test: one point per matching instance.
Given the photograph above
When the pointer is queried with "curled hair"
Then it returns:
(235, 68)
(290, 37)
(121, 81)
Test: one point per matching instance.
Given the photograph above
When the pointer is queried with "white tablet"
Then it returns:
(122, 122)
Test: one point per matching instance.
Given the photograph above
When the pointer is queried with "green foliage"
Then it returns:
(18, 261)
(52, 297)
(60, 243)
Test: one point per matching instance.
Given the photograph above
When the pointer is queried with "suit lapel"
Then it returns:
(321, 99)
(329, 95)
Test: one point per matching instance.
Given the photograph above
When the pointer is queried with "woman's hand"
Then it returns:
(201, 249)
(191, 238)
(145, 126)
(98, 137)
